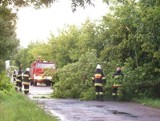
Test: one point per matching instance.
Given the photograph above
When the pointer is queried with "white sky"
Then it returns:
(33, 25)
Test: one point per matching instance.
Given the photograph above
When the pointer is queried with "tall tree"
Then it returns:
(63, 47)
(8, 40)
(137, 47)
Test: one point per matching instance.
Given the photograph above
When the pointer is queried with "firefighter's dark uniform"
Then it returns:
(14, 75)
(19, 81)
(117, 81)
(26, 80)
(99, 80)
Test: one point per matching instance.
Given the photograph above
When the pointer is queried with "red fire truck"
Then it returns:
(40, 72)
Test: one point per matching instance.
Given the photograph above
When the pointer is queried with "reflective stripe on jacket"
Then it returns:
(26, 77)
(98, 78)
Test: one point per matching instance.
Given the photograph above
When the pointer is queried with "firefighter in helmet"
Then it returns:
(99, 80)
(117, 81)
(19, 80)
(26, 80)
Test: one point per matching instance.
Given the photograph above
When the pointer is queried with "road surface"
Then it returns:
(76, 110)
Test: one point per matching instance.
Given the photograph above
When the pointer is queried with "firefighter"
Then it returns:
(99, 80)
(19, 81)
(26, 80)
(14, 76)
(117, 81)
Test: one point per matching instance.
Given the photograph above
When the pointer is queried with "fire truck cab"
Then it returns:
(40, 72)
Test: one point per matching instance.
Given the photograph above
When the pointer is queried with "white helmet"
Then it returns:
(118, 69)
(98, 66)
(27, 69)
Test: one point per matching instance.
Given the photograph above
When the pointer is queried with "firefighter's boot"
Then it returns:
(97, 97)
(101, 97)
(20, 89)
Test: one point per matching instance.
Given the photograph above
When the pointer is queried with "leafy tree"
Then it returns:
(40, 49)
(73, 42)
(22, 58)
(64, 46)
(8, 40)
(136, 47)
(88, 38)
(126, 37)
(74, 80)
(5, 86)
(44, 3)
(35, 50)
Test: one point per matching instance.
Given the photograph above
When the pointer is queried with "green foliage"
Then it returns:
(64, 46)
(128, 38)
(45, 3)
(28, 55)
(8, 41)
(5, 86)
(74, 80)
(88, 95)
(22, 58)
(148, 101)
(22, 3)
(137, 51)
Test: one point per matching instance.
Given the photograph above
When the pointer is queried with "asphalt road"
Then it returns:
(76, 110)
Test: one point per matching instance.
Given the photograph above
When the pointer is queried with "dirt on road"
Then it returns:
(76, 110)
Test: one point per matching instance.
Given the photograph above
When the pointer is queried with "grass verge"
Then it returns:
(149, 102)
(17, 107)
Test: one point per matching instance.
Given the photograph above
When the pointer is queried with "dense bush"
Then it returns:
(5, 85)
(74, 80)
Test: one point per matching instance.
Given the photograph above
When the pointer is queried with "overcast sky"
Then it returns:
(33, 25)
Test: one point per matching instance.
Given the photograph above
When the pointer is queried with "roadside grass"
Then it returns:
(149, 102)
(17, 107)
